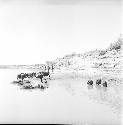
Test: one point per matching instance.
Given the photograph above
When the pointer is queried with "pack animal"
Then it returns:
(98, 81)
(90, 82)
(40, 76)
(104, 84)
(46, 73)
(22, 76)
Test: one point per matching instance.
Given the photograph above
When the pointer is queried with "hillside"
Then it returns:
(106, 61)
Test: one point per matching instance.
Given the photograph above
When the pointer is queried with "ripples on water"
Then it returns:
(78, 92)
(106, 96)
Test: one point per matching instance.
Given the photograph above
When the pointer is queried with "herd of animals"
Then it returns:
(98, 82)
(42, 76)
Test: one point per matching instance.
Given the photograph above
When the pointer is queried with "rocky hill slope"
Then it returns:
(107, 61)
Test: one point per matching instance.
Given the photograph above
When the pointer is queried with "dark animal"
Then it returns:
(90, 82)
(28, 87)
(19, 76)
(46, 73)
(45, 81)
(40, 76)
(104, 84)
(40, 86)
(22, 76)
(98, 82)
(30, 75)
(34, 74)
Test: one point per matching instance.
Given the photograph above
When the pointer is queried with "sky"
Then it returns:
(33, 32)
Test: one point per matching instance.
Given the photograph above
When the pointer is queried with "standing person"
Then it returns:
(45, 68)
(48, 68)
(52, 67)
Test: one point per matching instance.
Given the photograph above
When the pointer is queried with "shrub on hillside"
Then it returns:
(116, 46)
(101, 53)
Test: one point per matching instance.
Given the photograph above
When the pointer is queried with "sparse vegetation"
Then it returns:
(117, 45)
(108, 60)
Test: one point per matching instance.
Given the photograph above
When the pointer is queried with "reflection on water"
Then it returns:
(105, 95)
(98, 93)
(104, 89)
(62, 101)
(98, 87)
(90, 87)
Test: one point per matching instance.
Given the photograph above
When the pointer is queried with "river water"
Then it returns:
(57, 104)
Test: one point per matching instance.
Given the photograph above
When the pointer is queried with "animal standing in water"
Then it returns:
(40, 76)
(98, 82)
(46, 73)
(90, 82)
(22, 76)
(104, 84)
